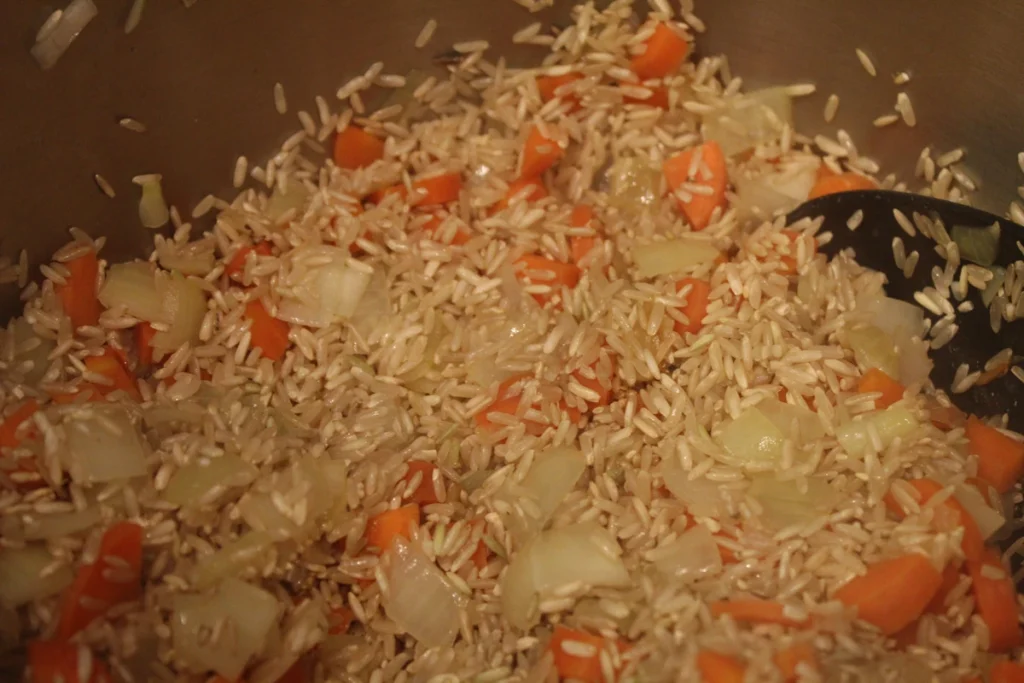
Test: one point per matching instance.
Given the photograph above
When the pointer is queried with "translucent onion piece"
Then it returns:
(635, 185)
(374, 305)
(31, 352)
(768, 194)
(189, 258)
(551, 478)
(873, 348)
(419, 598)
(192, 484)
(280, 202)
(104, 446)
(796, 423)
(693, 555)
(750, 120)
(898, 319)
(989, 519)
(584, 553)
(673, 256)
(231, 559)
(21, 576)
(915, 365)
(702, 496)
(752, 439)
(785, 503)
(134, 287)
(60, 524)
(319, 294)
(895, 421)
(51, 44)
(248, 613)
(304, 489)
(153, 211)
(185, 308)
(978, 245)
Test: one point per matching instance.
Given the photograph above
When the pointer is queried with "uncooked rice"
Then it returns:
(341, 346)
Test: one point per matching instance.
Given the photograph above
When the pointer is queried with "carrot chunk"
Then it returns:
(534, 269)
(715, 667)
(78, 294)
(996, 598)
(709, 178)
(383, 529)
(949, 514)
(539, 154)
(577, 654)
(424, 493)
(833, 183)
(893, 593)
(269, 334)
(877, 381)
(1000, 458)
(355, 148)
(663, 56)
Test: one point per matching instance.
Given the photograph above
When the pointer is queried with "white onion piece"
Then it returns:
(51, 44)
(891, 423)
(796, 423)
(673, 256)
(635, 184)
(342, 288)
(21, 575)
(374, 305)
(103, 446)
(691, 556)
(191, 485)
(189, 258)
(988, 519)
(231, 559)
(702, 496)
(550, 479)
(775, 192)
(52, 526)
(153, 211)
(898, 319)
(873, 348)
(305, 628)
(903, 323)
(915, 365)
(750, 120)
(752, 439)
(318, 293)
(248, 613)
(584, 553)
(185, 308)
(419, 598)
(305, 489)
(280, 202)
(134, 287)
(785, 503)
(31, 352)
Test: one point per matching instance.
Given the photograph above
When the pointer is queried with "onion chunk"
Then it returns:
(419, 598)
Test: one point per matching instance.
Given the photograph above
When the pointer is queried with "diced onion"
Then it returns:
(305, 628)
(305, 487)
(31, 352)
(691, 556)
(752, 439)
(134, 287)
(374, 305)
(321, 295)
(988, 519)
(873, 348)
(977, 245)
(771, 193)
(673, 256)
(185, 307)
(702, 496)
(584, 553)
(21, 576)
(246, 612)
(281, 202)
(903, 324)
(51, 44)
(153, 211)
(750, 120)
(796, 423)
(892, 423)
(634, 185)
(419, 598)
(49, 527)
(786, 503)
(104, 446)
(231, 559)
(191, 485)
(550, 479)
(189, 258)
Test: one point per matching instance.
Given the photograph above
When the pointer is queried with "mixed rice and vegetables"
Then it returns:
(520, 377)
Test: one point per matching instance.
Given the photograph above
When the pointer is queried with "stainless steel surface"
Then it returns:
(201, 80)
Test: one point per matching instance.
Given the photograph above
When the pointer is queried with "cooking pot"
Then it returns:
(201, 80)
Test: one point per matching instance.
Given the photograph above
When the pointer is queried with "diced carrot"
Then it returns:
(355, 148)
(480, 556)
(433, 191)
(534, 269)
(115, 577)
(78, 295)
(378, 196)
(893, 593)
(431, 227)
(789, 659)
(1006, 671)
(236, 266)
(789, 264)
(504, 403)
(658, 98)
(726, 553)
(996, 599)
(594, 384)
(268, 334)
(950, 580)
(56, 661)
(539, 154)
(1000, 458)
(696, 307)
(754, 611)
(109, 365)
(950, 514)
(424, 493)
(339, 620)
(832, 183)
(715, 667)
(580, 247)
(382, 529)
(529, 189)
(877, 381)
(571, 662)
(665, 52)
(549, 85)
(144, 333)
(711, 173)
(9, 434)
(581, 216)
